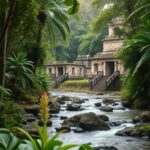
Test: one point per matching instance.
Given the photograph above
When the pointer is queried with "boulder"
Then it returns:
(63, 128)
(106, 108)
(65, 98)
(143, 117)
(98, 104)
(125, 132)
(103, 117)
(33, 109)
(73, 107)
(54, 106)
(108, 101)
(86, 121)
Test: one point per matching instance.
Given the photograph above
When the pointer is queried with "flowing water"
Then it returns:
(100, 138)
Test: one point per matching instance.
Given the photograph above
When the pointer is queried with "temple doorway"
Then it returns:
(60, 71)
(95, 68)
(110, 68)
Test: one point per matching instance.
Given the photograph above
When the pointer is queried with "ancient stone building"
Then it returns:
(86, 66)
(106, 61)
(74, 70)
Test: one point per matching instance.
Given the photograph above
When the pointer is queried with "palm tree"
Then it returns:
(54, 13)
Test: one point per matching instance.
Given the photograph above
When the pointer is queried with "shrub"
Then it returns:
(10, 114)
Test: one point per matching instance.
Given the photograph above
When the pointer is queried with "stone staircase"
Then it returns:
(105, 82)
(101, 84)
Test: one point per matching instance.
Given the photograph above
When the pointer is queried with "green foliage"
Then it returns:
(43, 143)
(91, 43)
(75, 85)
(108, 11)
(42, 80)
(136, 56)
(19, 70)
(10, 114)
(143, 129)
(8, 141)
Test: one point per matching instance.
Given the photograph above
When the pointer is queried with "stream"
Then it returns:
(99, 138)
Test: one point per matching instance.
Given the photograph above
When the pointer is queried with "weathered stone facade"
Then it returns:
(59, 68)
(86, 66)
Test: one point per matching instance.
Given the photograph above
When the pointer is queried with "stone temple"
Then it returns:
(102, 69)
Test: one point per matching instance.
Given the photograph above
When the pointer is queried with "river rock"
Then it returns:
(98, 104)
(78, 101)
(143, 117)
(100, 93)
(105, 148)
(63, 117)
(54, 106)
(108, 101)
(49, 123)
(87, 121)
(106, 108)
(103, 117)
(125, 132)
(73, 107)
(65, 128)
(127, 104)
(33, 109)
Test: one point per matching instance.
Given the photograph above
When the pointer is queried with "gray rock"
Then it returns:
(103, 117)
(54, 106)
(49, 123)
(63, 117)
(63, 128)
(143, 117)
(106, 108)
(33, 109)
(98, 104)
(86, 121)
(73, 107)
(108, 101)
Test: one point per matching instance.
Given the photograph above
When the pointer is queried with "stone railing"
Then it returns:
(61, 79)
(96, 79)
(112, 78)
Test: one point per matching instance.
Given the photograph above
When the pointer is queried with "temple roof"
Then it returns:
(105, 55)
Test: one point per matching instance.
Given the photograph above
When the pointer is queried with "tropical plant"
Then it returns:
(19, 70)
(8, 141)
(10, 114)
(42, 80)
(142, 9)
(136, 56)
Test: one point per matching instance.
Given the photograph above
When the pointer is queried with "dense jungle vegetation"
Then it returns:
(34, 32)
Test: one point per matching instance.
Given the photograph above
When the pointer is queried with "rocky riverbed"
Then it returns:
(94, 119)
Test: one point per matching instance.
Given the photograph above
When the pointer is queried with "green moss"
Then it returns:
(144, 129)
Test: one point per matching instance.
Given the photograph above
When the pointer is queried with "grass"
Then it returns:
(75, 85)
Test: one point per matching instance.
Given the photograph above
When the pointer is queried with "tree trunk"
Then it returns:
(3, 43)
